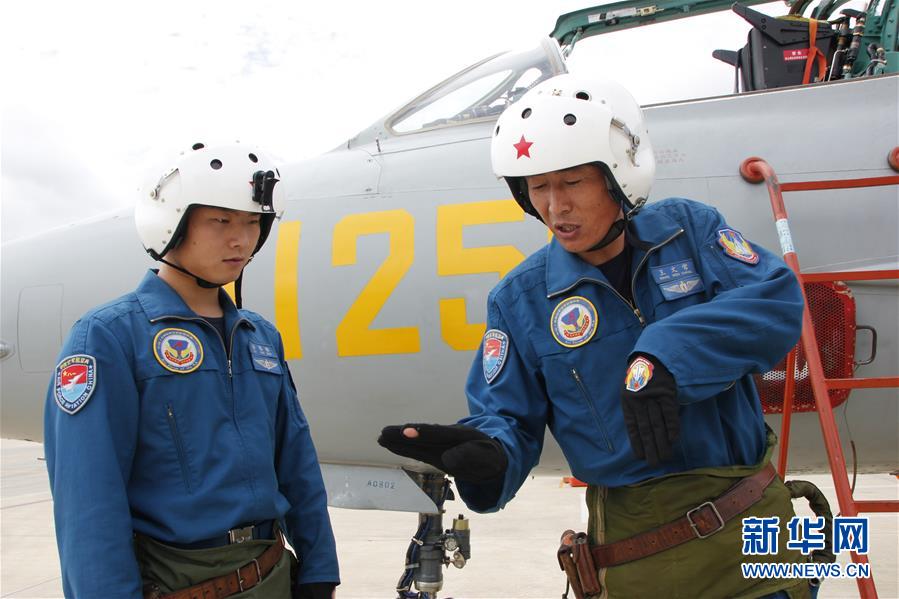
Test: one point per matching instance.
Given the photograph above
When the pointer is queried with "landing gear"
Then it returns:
(427, 553)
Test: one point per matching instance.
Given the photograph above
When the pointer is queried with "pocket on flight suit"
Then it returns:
(605, 441)
(260, 374)
(179, 447)
(576, 409)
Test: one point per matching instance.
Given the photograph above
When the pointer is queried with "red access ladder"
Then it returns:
(756, 170)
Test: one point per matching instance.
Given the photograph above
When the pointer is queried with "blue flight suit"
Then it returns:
(711, 317)
(180, 447)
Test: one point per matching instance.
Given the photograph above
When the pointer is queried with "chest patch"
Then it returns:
(264, 357)
(76, 378)
(496, 348)
(178, 350)
(681, 288)
(666, 273)
(574, 321)
(677, 279)
(639, 374)
(736, 247)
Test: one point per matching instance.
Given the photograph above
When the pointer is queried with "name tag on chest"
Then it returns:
(265, 358)
(677, 279)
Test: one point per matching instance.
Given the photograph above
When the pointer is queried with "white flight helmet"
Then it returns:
(567, 121)
(236, 176)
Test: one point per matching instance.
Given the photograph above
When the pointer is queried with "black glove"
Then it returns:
(314, 590)
(461, 451)
(649, 403)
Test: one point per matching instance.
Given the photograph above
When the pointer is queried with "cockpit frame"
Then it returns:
(546, 58)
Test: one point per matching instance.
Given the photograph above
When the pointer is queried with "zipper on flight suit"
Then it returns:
(179, 446)
(634, 308)
(228, 351)
(637, 270)
(230, 345)
(589, 402)
(631, 305)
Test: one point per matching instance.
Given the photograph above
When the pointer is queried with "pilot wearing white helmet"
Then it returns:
(632, 336)
(178, 454)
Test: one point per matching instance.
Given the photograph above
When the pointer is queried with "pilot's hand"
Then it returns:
(315, 590)
(651, 410)
(461, 451)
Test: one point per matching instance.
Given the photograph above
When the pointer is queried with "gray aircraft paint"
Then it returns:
(825, 131)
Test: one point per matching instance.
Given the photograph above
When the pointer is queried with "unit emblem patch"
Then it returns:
(76, 378)
(638, 374)
(736, 247)
(178, 350)
(496, 348)
(574, 321)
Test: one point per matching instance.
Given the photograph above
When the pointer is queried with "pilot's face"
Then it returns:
(576, 205)
(218, 243)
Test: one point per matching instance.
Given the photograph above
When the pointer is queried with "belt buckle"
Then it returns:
(696, 528)
(239, 535)
(240, 578)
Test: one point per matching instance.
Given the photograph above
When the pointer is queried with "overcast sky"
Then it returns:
(95, 92)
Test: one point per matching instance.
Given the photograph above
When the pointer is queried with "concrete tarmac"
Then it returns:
(513, 552)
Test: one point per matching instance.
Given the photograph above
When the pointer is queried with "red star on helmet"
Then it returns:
(523, 147)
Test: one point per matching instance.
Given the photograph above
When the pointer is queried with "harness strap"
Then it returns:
(702, 521)
(242, 579)
(814, 53)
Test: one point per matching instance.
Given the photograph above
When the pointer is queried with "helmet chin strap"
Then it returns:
(201, 282)
(238, 283)
(613, 233)
(619, 225)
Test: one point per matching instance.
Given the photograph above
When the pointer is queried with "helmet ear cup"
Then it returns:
(519, 188)
(180, 232)
(265, 227)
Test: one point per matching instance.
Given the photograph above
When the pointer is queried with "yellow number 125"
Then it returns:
(355, 337)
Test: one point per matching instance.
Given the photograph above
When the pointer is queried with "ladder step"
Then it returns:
(865, 383)
(877, 505)
(849, 275)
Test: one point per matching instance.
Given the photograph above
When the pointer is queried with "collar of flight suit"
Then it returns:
(564, 270)
(160, 301)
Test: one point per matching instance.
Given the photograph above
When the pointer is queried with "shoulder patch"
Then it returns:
(639, 374)
(496, 349)
(178, 350)
(736, 247)
(574, 321)
(75, 381)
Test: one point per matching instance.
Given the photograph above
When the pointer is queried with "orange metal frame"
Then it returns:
(756, 170)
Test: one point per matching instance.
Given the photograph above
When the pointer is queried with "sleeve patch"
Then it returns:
(736, 247)
(496, 349)
(638, 375)
(75, 381)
